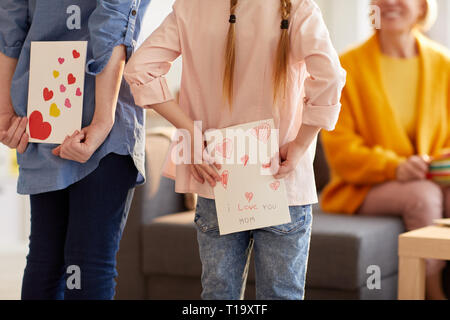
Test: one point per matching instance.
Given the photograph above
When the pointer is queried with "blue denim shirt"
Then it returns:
(104, 24)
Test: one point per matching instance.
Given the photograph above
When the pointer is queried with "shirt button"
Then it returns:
(133, 13)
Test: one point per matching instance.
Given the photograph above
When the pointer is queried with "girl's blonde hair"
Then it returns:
(282, 56)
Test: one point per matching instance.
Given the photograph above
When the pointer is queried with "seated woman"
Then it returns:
(395, 116)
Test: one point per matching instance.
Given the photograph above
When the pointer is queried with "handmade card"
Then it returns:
(248, 196)
(56, 87)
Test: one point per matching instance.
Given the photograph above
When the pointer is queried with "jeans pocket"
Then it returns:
(300, 215)
(206, 215)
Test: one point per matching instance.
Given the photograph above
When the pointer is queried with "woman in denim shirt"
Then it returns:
(81, 191)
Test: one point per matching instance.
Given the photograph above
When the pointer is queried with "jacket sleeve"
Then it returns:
(310, 42)
(446, 149)
(112, 23)
(152, 61)
(351, 158)
(14, 26)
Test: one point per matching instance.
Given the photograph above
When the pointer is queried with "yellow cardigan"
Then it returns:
(369, 141)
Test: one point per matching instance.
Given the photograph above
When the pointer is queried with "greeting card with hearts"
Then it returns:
(56, 87)
(248, 196)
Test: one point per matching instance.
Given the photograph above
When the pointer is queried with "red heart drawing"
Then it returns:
(244, 159)
(75, 54)
(225, 149)
(275, 185)
(67, 103)
(48, 94)
(78, 93)
(62, 88)
(224, 178)
(266, 165)
(249, 196)
(38, 128)
(71, 79)
(61, 60)
(262, 132)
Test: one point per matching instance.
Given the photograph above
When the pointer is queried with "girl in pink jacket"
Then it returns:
(245, 61)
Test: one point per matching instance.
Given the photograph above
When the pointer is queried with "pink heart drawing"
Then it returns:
(275, 185)
(62, 88)
(244, 160)
(224, 178)
(61, 60)
(249, 196)
(78, 93)
(68, 104)
(262, 132)
(225, 149)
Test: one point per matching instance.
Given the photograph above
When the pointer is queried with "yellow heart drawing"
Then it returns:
(55, 74)
(54, 111)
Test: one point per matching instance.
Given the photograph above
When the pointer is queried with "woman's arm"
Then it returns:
(82, 145)
(13, 31)
(111, 29)
(12, 127)
(349, 155)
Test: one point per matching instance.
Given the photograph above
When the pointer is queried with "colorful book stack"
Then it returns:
(439, 171)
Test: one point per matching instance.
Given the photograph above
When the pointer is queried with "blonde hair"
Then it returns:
(430, 17)
(282, 56)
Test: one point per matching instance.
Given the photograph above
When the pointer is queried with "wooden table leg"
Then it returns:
(411, 278)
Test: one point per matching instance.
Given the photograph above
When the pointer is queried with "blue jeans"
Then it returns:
(281, 256)
(79, 226)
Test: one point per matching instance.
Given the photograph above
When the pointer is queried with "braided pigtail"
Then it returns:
(230, 56)
(282, 56)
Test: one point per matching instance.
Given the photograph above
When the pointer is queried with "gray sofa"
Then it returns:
(159, 259)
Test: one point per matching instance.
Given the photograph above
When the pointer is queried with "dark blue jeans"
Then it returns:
(76, 232)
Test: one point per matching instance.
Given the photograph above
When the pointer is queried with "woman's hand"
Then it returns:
(13, 131)
(290, 155)
(81, 145)
(414, 168)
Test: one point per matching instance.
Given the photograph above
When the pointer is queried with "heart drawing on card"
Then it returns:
(78, 93)
(224, 178)
(75, 54)
(62, 88)
(38, 128)
(249, 196)
(54, 110)
(244, 159)
(225, 149)
(48, 94)
(68, 104)
(262, 132)
(71, 79)
(61, 60)
(275, 185)
(55, 74)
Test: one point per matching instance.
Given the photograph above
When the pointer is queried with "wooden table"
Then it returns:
(413, 248)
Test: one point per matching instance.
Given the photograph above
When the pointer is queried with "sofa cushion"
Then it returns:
(342, 248)
(169, 245)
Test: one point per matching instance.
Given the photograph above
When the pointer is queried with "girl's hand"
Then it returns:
(290, 155)
(207, 170)
(13, 131)
(81, 145)
(414, 168)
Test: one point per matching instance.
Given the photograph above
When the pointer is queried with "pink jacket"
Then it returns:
(197, 30)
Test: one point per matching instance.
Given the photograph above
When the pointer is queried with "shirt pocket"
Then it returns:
(300, 217)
